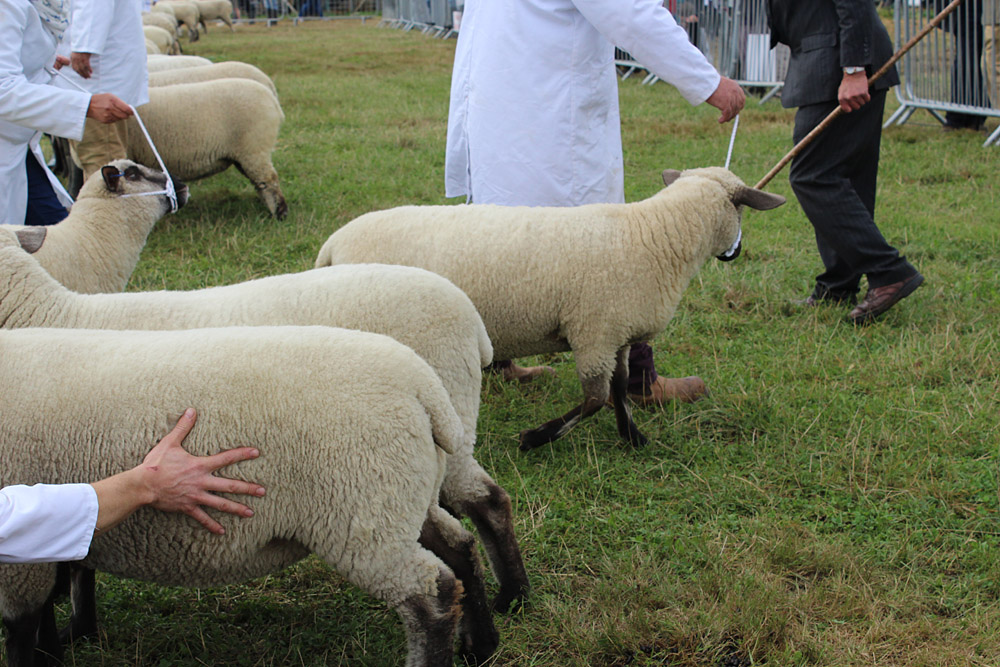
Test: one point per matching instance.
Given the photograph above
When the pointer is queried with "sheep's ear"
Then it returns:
(670, 175)
(112, 178)
(757, 199)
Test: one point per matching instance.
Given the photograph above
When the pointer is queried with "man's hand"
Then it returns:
(180, 482)
(728, 98)
(853, 93)
(81, 64)
(61, 61)
(107, 108)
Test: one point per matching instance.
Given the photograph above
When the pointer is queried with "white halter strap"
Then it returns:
(168, 190)
(732, 140)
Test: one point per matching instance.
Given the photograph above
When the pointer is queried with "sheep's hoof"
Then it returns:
(506, 601)
(636, 439)
(533, 438)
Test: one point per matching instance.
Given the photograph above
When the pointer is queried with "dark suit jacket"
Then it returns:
(825, 36)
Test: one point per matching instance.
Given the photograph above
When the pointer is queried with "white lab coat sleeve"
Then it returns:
(90, 25)
(650, 34)
(46, 522)
(34, 105)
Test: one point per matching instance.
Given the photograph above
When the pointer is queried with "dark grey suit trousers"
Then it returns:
(834, 179)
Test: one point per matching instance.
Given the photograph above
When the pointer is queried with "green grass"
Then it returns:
(834, 502)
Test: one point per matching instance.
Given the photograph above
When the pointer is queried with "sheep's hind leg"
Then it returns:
(623, 413)
(475, 495)
(445, 537)
(430, 623)
(595, 392)
(83, 621)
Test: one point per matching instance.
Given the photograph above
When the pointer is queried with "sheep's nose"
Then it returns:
(731, 254)
(182, 192)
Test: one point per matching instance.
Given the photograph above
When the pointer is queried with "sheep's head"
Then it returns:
(124, 178)
(739, 194)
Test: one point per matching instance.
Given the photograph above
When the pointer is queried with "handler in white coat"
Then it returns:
(534, 115)
(29, 33)
(108, 55)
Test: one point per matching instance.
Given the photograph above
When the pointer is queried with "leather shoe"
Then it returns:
(880, 299)
(663, 389)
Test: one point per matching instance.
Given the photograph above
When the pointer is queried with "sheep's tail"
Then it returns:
(446, 427)
(485, 346)
(325, 257)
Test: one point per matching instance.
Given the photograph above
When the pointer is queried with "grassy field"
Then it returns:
(835, 500)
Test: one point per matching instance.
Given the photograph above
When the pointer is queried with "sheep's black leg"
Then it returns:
(444, 536)
(623, 413)
(490, 512)
(431, 621)
(83, 622)
(32, 639)
(595, 391)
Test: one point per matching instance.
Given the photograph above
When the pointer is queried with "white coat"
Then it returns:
(28, 106)
(46, 522)
(112, 31)
(534, 96)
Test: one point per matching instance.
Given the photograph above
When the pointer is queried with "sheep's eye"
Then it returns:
(132, 174)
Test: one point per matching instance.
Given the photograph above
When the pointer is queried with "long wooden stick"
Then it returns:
(816, 131)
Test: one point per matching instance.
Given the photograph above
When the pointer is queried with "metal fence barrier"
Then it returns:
(252, 11)
(431, 17)
(954, 70)
(734, 36)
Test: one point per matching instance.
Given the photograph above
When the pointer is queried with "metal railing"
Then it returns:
(953, 72)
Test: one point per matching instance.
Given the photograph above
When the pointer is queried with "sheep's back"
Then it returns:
(343, 421)
(201, 128)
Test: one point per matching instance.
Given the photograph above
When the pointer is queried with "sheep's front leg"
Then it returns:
(623, 413)
(595, 393)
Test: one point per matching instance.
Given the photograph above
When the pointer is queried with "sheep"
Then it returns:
(592, 279)
(160, 20)
(230, 69)
(151, 47)
(160, 63)
(96, 247)
(215, 9)
(201, 128)
(419, 309)
(164, 40)
(185, 12)
(352, 464)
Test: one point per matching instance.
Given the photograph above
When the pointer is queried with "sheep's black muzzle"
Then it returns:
(731, 254)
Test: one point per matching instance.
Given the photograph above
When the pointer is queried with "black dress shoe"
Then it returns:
(880, 299)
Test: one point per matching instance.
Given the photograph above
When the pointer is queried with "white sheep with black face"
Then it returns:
(592, 279)
(96, 247)
(353, 430)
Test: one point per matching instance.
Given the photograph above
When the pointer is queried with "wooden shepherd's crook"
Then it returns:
(806, 140)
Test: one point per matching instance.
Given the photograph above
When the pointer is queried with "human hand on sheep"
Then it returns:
(728, 98)
(106, 108)
(172, 480)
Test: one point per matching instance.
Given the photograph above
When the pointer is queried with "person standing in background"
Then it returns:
(534, 117)
(30, 31)
(108, 52)
(836, 45)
